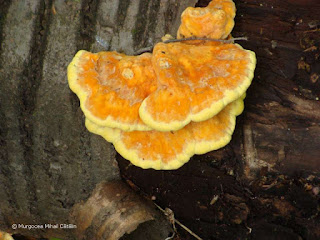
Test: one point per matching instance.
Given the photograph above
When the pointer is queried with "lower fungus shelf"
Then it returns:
(170, 150)
(160, 109)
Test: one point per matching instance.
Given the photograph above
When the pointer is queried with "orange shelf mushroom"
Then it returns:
(165, 91)
(170, 150)
(195, 82)
(160, 109)
(214, 21)
(111, 87)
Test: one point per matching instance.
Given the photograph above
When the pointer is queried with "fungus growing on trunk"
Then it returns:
(214, 21)
(159, 109)
(195, 82)
(178, 83)
(170, 150)
(111, 87)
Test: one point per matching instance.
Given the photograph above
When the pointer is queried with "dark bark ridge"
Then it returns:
(48, 160)
(275, 144)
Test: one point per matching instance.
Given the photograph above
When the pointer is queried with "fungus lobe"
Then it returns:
(160, 109)
(170, 150)
(214, 21)
(195, 82)
(111, 87)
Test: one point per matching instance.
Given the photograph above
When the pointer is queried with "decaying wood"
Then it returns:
(112, 211)
(49, 162)
(281, 121)
(267, 178)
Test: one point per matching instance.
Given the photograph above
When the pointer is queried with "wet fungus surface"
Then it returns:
(111, 87)
(195, 82)
(214, 21)
(159, 109)
(170, 150)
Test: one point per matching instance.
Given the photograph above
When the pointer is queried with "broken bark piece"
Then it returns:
(5, 236)
(113, 210)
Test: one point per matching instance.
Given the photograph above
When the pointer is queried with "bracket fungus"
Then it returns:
(159, 109)
(214, 21)
(170, 150)
(195, 82)
(111, 87)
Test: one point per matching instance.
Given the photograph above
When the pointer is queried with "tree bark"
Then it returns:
(265, 183)
(280, 128)
(48, 160)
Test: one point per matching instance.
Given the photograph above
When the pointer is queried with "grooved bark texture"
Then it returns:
(48, 160)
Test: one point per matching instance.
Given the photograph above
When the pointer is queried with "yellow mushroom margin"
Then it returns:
(214, 21)
(221, 138)
(230, 95)
(195, 138)
(74, 68)
(168, 124)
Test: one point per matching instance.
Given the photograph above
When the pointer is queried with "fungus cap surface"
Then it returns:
(111, 87)
(214, 21)
(195, 82)
(170, 150)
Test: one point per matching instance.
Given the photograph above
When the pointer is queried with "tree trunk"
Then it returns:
(48, 160)
(264, 184)
(266, 181)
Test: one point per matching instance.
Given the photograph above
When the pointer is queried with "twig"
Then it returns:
(143, 50)
(169, 213)
(313, 30)
(249, 228)
(188, 230)
(231, 40)
(171, 237)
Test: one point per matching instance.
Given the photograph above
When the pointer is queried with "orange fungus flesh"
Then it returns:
(170, 150)
(214, 21)
(166, 90)
(160, 109)
(111, 87)
(195, 82)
